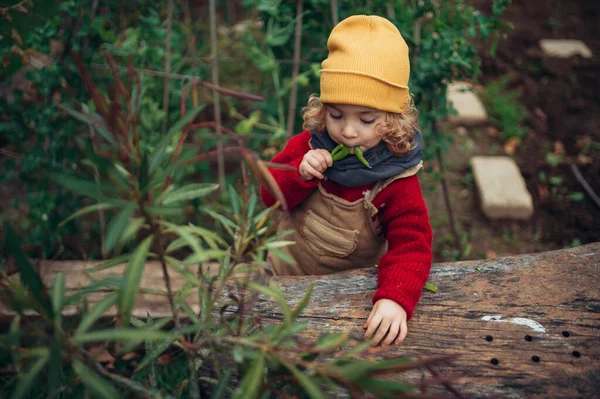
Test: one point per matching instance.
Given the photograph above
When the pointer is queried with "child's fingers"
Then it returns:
(381, 331)
(403, 332)
(317, 161)
(368, 320)
(310, 171)
(372, 327)
(326, 156)
(392, 334)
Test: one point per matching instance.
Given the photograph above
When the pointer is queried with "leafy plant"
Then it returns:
(225, 346)
(505, 109)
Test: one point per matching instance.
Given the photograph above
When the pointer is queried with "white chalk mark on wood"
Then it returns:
(520, 321)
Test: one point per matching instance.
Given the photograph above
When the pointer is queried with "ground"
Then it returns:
(562, 99)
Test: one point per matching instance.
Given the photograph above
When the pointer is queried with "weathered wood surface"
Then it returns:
(544, 296)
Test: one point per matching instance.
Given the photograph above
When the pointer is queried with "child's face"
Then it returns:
(353, 125)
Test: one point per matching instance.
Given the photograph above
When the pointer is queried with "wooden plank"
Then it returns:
(538, 295)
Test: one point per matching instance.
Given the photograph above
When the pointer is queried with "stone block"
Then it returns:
(501, 188)
(470, 109)
(565, 48)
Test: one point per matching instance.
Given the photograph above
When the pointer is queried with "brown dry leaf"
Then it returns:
(540, 114)
(129, 356)
(543, 191)
(583, 142)
(584, 159)
(491, 131)
(559, 148)
(16, 37)
(101, 354)
(510, 147)
(490, 254)
(164, 359)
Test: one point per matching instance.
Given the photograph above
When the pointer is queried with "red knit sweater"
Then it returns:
(404, 268)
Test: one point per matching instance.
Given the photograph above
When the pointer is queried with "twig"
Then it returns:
(445, 383)
(167, 64)
(585, 184)
(335, 18)
(216, 97)
(295, 69)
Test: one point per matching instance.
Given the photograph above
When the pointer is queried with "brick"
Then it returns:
(471, 111)
(565, 48)
(501, 188)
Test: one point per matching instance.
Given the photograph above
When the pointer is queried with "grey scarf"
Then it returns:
(350, 172)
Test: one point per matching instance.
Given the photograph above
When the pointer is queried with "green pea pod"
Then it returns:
(340, 152)
(361, 157)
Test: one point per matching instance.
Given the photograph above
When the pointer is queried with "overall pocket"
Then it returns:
(325, 239)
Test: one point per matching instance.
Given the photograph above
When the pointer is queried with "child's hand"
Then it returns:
(386, 316)
(314, 164)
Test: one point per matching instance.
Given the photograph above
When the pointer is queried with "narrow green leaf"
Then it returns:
(309, 386)
(95, 384)
(129, 233)
(181, 231)
(330, 341)
(252, 200)
(274, 292)
(89, 188)
(152, 355)
(252, 382)
(278, 244)
(54, 370)
(131, 279)
(283, 256)
(161, 148)
(58, 293)
(121, 335)
(189, 193)
(303, 303)
(431, 287)
(117, 226)
(181, 269)
(26, 381)
(93, 120)
(221, 390)
(236, 201)
(165, 210)
(88, 209)
(97, 311)
(29, 277)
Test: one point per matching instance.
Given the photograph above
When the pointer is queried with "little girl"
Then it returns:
(366, 208)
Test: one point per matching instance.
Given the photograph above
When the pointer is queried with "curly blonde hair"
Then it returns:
(398, 131)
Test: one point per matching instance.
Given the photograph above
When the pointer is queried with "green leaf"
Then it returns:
(431, 287)
(82, 186)
(131, 279)
(121, 335)
(116, 227)
(88, 209)
(309, 386)
(236, 201)
(385, 389)
(190, 192)
(26, 381)
(330, 341)
(303, 303)
(164, 142)
(220, 390)
(58, 298)
(109, 263)
(95, 384)
(274, 292)
(55, 367)
(97, 311)
(152, 355)
(29, 277)
(94, 120)
(252, 382)
(181, 269)
(181, 231)
(283, 256)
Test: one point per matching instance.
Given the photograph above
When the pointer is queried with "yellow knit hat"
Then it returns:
(367, 65)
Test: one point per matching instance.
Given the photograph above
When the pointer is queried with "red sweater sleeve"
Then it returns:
(294, 189)
(405, 267)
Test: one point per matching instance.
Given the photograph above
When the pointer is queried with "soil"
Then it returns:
(562, 98)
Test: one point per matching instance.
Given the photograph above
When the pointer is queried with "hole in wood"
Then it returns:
(489, 338)
(528, 338)
(576, 354)
(566, 333)
(494, 361)
(535, 359)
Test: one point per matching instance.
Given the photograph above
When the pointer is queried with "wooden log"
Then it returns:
(525, 327)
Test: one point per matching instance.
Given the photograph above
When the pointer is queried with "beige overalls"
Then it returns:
(332, 234)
